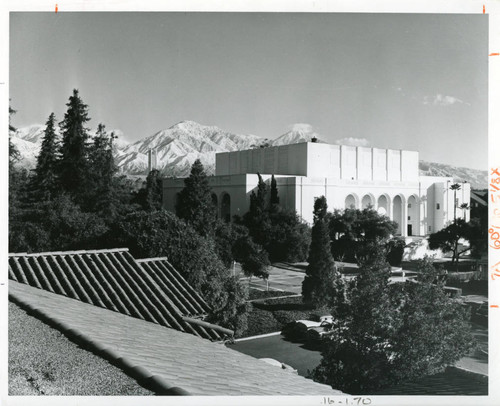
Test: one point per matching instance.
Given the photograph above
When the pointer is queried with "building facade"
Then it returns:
(385, 179)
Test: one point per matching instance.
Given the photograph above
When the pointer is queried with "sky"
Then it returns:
(401, 81)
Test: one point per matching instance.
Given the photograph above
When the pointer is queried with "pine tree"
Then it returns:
(74, 167)
(195, 201)
(322, 282)
(45, 181)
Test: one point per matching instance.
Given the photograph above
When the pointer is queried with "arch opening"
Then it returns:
(366, 202)
(350, 202)
(397, 213)
(383, 205)
(413, 216)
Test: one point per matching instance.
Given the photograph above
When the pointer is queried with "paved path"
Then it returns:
(294, 354)
(288, 279)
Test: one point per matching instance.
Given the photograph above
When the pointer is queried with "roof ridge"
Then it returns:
(152, 259)
(78, 252)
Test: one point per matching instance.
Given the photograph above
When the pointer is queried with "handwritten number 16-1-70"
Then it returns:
(347, 401)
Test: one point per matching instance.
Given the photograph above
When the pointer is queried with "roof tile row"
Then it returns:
(150, 290)
(175, 362)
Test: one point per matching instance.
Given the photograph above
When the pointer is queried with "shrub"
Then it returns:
(161, 233)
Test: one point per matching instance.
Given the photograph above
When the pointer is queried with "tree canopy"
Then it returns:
(278, 230)
(448, 239)
(351, 229)
(161, 233)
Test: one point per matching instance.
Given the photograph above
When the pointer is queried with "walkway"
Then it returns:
(288, 277)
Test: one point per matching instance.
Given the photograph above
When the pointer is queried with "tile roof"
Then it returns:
(167, 360)
(478, 198)
(150, 290)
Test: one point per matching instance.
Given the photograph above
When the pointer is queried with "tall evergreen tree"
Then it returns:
(275, 200)
(194, 203)
(45, 181)
(153, 190)
(256, 217)
(323, 283)
(103, 170)
(261, 195)
(149, 197)
(74, 167)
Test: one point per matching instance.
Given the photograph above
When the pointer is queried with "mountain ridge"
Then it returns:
(178, 146)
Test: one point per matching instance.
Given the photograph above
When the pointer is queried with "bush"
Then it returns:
(396, 249)
(54, 226)
(161, 233)
(392, 333)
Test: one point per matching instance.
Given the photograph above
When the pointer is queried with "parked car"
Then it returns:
(320, 333)
(297, 330)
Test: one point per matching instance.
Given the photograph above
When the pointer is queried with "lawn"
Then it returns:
(42, 361)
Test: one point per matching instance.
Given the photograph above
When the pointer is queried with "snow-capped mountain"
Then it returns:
(478, 179)
(180, 145)
(28, 141)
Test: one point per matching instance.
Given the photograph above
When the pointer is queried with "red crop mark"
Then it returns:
(56, 8)
(484, 9)
(496, 306)
(495, 54)
(494, 171)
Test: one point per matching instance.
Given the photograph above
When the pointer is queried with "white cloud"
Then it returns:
(441, 100)
(354, 142)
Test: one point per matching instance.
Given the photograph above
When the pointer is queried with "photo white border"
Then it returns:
(492, 8)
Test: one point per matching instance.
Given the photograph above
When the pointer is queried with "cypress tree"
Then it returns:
(153, 190)
(194, 203)
(45, 181)
(257, 217)
(322, 281)
(103, 170)
(74, 167)
(275, 200)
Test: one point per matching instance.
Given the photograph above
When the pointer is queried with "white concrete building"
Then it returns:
(347, 176)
